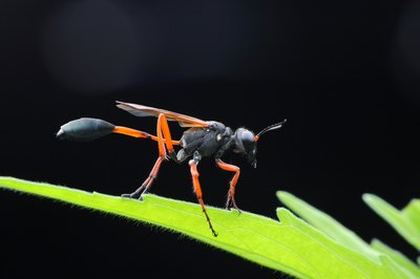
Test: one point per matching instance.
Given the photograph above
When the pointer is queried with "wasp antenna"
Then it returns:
(270, 128)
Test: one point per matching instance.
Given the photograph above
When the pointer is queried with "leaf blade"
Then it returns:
(326, 224)
(401, 261)
(404, 222)
(291, 246)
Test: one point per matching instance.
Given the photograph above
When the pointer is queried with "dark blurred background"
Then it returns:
(345, 74)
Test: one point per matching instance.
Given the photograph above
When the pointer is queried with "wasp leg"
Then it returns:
(148, 182)
(168, 138)
(231, 194)
(138, 134)
(155, 170)
(197, 190)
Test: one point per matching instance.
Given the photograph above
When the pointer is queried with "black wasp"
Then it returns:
(201, 139)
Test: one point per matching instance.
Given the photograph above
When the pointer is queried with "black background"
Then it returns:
(345, 74)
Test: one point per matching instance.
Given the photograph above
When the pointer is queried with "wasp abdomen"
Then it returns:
(85, 129)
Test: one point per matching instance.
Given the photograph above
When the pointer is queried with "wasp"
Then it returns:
(200, 139)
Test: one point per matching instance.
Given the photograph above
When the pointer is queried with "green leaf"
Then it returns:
(326, 224)
(401, 261)
(346, 237)
(292, 245)
(406, 222)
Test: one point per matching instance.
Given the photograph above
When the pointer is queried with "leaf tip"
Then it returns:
(375, 242)
(368, 198)
(283, 195)
(283, 214)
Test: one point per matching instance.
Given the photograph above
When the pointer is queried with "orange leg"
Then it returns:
(167, 136)
(231, 194)
(198, 193)
(148, 182)
(160, 131)
(160, 139)
(138, 134)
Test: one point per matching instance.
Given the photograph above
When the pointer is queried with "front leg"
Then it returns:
(231, 194)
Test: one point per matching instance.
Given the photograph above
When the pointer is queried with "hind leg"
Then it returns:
(155, 170)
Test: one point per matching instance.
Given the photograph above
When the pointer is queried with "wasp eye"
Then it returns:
(245, 141)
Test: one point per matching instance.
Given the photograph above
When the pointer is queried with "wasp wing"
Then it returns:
(145, 111)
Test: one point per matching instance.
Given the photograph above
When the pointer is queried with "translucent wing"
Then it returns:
(144, 111)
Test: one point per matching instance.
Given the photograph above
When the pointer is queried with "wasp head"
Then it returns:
(246, 141)
(246, 144)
